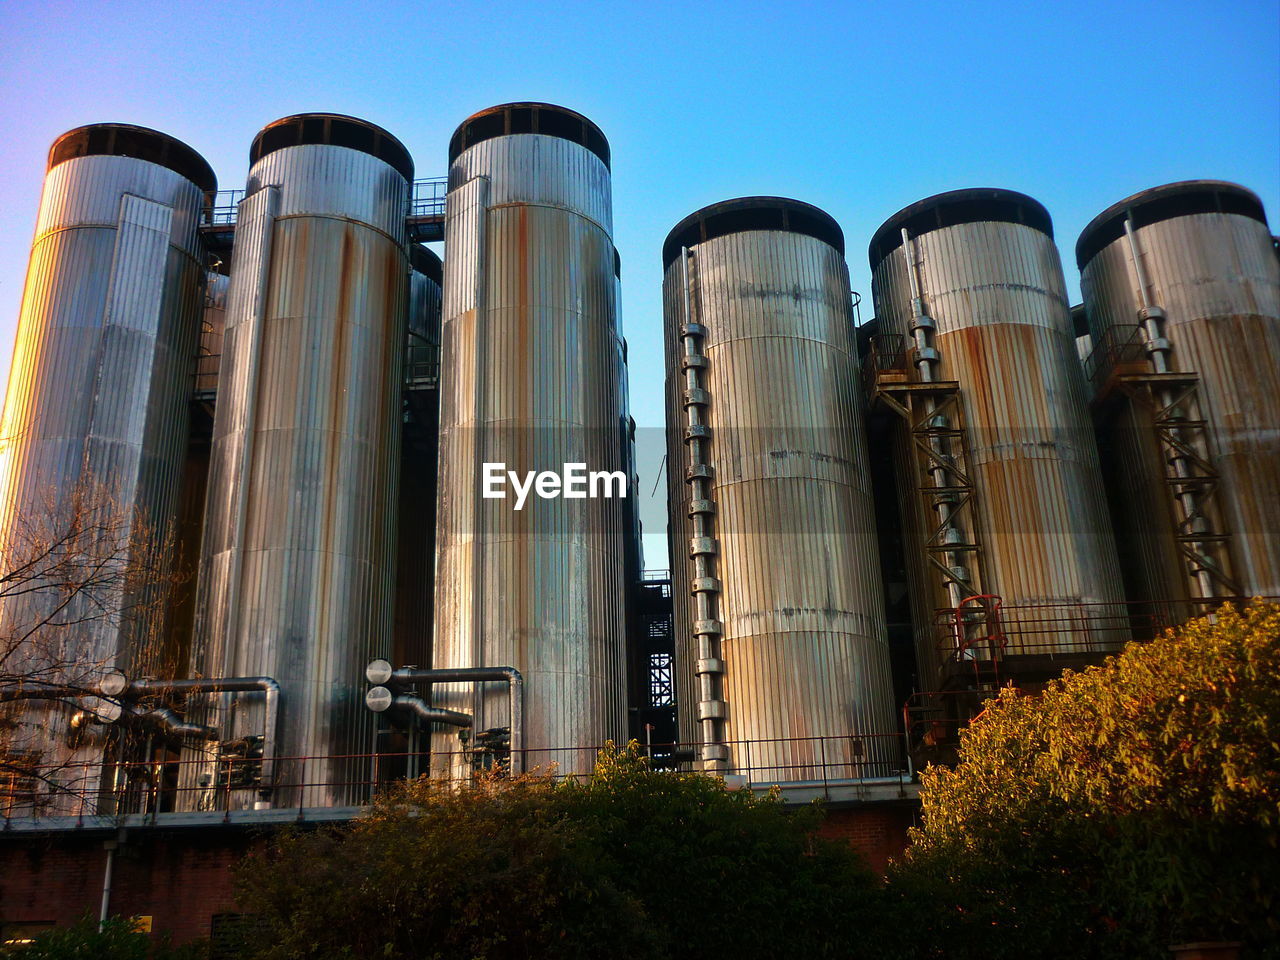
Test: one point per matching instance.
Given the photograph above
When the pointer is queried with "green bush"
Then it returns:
(626, 863)
(1128, 807)
(117, 940)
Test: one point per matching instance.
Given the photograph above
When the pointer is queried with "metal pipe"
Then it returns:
(160, 688)
(423, 711)
(710, 667)
(175, 725)
(103, 911)
(515, 684)
(1158, 349)
(926, 361)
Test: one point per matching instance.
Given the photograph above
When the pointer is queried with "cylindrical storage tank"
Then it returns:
(297, 563)
(529, 379)
(988, 275)
(95, 419)
(1212, 284)
(759, 340)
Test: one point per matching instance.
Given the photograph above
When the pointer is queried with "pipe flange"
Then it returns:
(703, 547)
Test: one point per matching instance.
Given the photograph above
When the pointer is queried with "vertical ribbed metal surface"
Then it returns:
(1217, 277)
(529, 377)
(297, 566)
(997, 293)
(804, 643)
(97, 398)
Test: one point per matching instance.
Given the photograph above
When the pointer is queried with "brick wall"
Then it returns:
(877, 831)
(179, 879)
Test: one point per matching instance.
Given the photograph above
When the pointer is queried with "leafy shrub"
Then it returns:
(1127, 807)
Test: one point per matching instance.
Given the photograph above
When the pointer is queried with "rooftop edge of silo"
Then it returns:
(955, 207)
(529, 116)
(139, 143)
(334, 130)
(752, 213)
(1178, 199)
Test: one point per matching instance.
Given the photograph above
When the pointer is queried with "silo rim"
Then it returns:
(138, 143)
(527, 116)
(752, 213)
(335, 130)
(955, 207)
(1154, 205)
(424, 261)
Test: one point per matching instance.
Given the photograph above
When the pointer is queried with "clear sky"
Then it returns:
(857, 108)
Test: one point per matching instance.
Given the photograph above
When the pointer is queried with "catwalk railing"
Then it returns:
(426, 201)
(231, 784)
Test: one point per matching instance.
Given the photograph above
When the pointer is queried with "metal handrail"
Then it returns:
(426, 200)
(162, 784)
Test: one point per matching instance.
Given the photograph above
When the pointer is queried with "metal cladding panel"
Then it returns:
(1218, 279)
(997, 294)
(424, 320)
(529, 378)
(538, 169)
(804, 642)
(96, 403)
(297, 568)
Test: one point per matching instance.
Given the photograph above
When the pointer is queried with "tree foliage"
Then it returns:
(627, 862)
(1127, 807)
(115, 939)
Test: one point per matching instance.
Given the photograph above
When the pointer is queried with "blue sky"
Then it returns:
(859, 109)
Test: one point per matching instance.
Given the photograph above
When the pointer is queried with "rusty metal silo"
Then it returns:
(297, 562)
(1182, 288)
(1011, 557)
(529, 379)
(95, 419)
(775, 569)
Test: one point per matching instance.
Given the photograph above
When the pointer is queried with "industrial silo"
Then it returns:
(779, 610)
(1182, 288)
(1011, 560)
(95, 420)
(530, 382)
(297, 562)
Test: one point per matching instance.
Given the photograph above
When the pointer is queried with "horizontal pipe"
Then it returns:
(427, 713)
(515, 684)
(175, 725)
(144, 688)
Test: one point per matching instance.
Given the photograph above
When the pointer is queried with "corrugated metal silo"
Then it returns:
(779, 606)
(1182, 288)
(1001, 488)
(95, 418)
(529, 379)
(297, 563)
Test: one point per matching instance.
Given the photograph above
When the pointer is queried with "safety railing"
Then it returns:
(1119, 345)
(426, 200)
(222, 211)
(229, 784)
(1057, 630)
